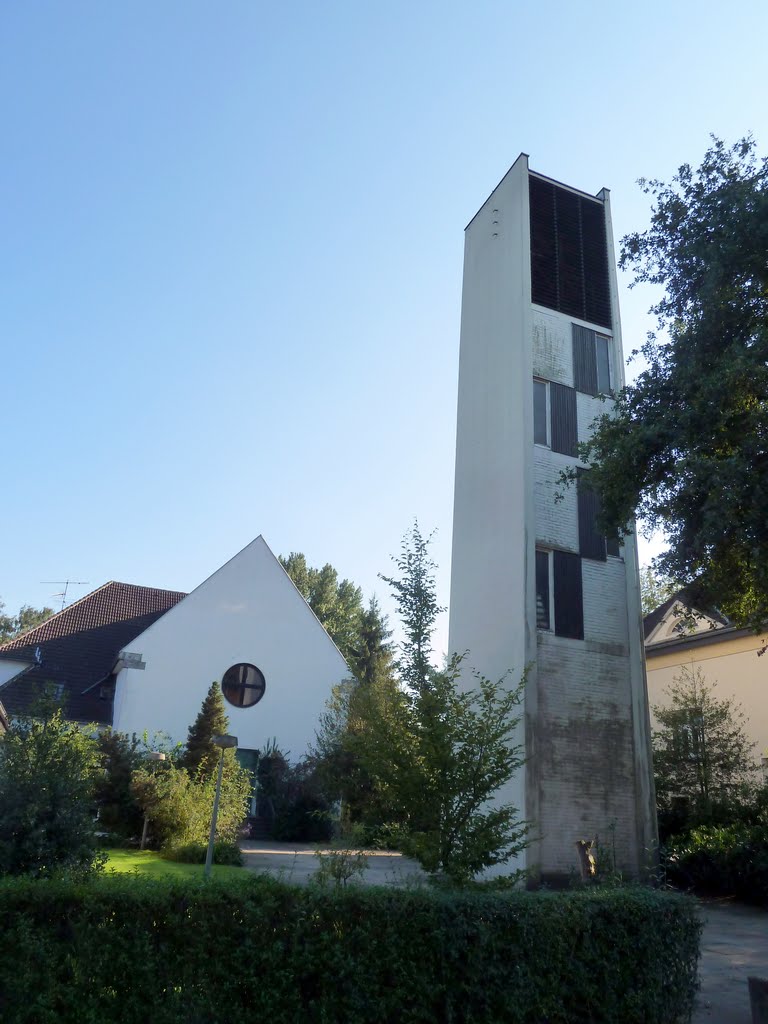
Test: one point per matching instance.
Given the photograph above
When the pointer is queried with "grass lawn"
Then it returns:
(151, 865)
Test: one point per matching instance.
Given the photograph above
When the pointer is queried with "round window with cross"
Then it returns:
(243, 685)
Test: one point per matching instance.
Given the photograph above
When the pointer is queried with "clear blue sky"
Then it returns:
(231, 253)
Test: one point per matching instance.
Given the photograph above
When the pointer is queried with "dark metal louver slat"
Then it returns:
(565, 436)
(597, 295)
(584, 360)
(543, 244)
(591, 540)
(570, 266)
(569, 607)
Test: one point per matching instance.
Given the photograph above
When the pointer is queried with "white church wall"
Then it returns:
(247, 612)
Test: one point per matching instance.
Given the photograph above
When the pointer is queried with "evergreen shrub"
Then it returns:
(727, 861)
(131, 950)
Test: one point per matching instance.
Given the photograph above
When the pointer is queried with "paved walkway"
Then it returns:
(297, 862)
(734, 945)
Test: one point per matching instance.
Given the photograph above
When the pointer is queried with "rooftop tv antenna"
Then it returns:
(66, 584)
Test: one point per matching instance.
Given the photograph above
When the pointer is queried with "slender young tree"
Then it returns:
(415, 593)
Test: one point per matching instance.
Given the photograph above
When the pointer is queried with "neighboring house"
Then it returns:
(141, 659)
(534, 584)
(679, 636)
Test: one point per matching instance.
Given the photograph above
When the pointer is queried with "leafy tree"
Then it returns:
(415, 593)
(179, 805)
(201, 756)
(48, 771)
(27, 618)
(354, 722)
(701, 751)
(686, 446)
(438, 757)
(338, 604)
(654, 589)
(436, 751)
(119, 755)
(177, 794)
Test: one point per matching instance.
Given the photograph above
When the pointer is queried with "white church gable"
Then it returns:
(248, 613)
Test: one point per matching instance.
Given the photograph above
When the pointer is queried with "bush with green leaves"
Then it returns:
(122, 948)
(727, 861)
(119, 756)
(48, 771)
(179, 806)
(195, 853)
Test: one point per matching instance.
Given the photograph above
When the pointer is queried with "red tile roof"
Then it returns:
(78, 647)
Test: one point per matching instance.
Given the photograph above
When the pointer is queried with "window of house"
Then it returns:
(243, 685)
(591, 361)
(554, 417)
(559, 598)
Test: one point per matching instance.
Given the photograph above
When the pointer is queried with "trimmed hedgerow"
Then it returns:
(131, 950)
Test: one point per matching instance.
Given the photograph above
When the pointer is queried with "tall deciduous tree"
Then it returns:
(27, 618)
(686, 446)
(338, 604)
(654, 589)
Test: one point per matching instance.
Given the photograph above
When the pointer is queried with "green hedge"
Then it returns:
(727, 861)
(129, 950)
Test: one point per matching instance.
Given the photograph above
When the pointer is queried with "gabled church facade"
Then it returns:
(142, 659)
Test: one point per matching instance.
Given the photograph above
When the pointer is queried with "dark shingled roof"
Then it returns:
(651, 621)
(78, 648)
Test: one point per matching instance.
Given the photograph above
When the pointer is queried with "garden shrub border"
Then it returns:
(130, 950)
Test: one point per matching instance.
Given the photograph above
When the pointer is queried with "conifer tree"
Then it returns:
(201, 756)
(372, 659)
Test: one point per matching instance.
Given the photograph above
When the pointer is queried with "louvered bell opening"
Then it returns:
(569, 254)
(543, 244)
(597, 295)
(570, 267)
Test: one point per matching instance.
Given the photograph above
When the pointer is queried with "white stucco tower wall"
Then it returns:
(493, 496)
(586, 731)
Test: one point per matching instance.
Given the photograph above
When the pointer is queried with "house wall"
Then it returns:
(248, 611)
(733, 666)
(9, 669)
